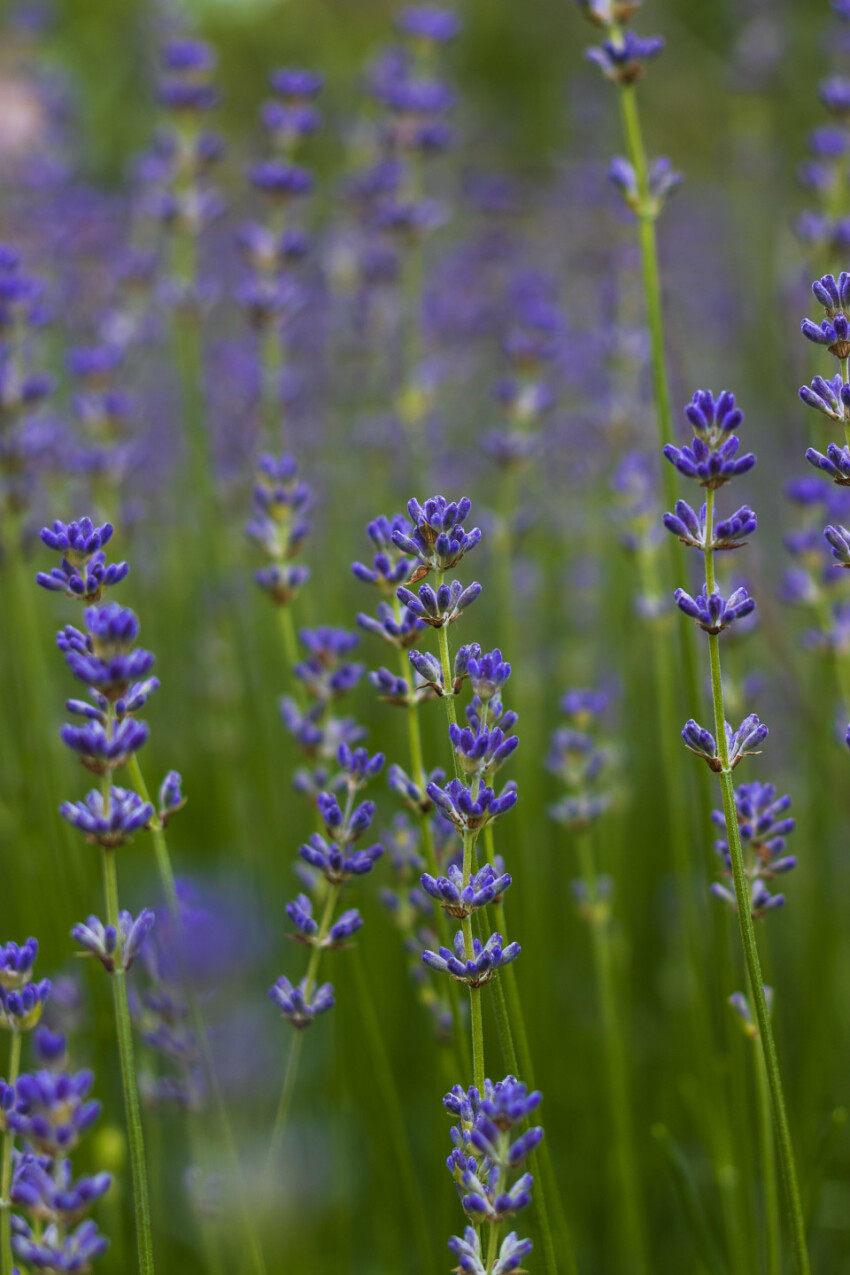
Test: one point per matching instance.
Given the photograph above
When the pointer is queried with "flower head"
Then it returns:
(440, 607)
(712, 611)
(471, 813)
(429, 23)
(302, 1003)
(692, 529)
(829, 395)
(102, 941)
(483, 887)
(108, 823)
(622, 58)
(16, 963)
(21, 1007)
(77, 541)
(338, 863)
(479, 967)
(662, 180)
(439, 539)
(53, 1110)
(740, 743)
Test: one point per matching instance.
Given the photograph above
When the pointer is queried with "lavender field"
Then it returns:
(425, 641)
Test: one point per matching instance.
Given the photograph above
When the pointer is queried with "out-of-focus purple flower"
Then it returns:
(302, 1003)
(56, 1249)
(828, 395)
(16, 963)
(835, 96)
(662, 180)
(428, 22)
(21, 1007)
(50, 1193)
(54, 1111)
(838, 539)
(294, 84)
(622, 58)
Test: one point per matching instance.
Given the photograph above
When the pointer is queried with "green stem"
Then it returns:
(417, 763)
(475, 1015)
(393, 1112)
(279, 1127)
(160, 845)
(290, 641)
(768, 1164)
(513, 1038)
(135, 1136)
(615, 1055)
(7, 1261)
(748, 939)
(660, 382)
(169, 888)
(492, 1248)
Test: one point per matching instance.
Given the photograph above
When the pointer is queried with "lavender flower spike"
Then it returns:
(441, 607)
(459, 900)
(20, 1010)
(54, 1111)
(299, 1004)
(468, 813)
(16, 964)
(728, 533)
(477, 969)
(101, 941)
(836, 463)
(108, 826)
(468, 1252)
(439, 540)
(744, 742)
(838, 539)
(712, 611)
(829, 395)
(78, 541)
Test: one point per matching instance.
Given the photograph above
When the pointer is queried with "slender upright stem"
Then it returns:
(290, 641)
(417, 763)
(7, 1261)
(160, 845)
(393, 1112)
(651, 276)
(279, 1126)
(615, 1056)
(767, 1147)
(510, 1021)
(169, 889)
(135, 1135)
(475, 1016)
(748, 938)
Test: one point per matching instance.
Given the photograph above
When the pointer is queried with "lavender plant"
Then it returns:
(712, 461)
